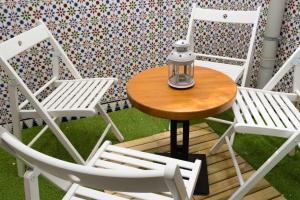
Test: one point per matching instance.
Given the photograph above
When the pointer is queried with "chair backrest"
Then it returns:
(30, 38)
(23, 42)
(163, 180)
(227, 16)
(292, 62)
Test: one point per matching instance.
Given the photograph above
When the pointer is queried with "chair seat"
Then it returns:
(76, 97)
(233, 71)
(113, 157)
(265, 112)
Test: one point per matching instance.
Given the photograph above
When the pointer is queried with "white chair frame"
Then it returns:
(87, 93)
(134, 174)
(265, 112)
(226, 16)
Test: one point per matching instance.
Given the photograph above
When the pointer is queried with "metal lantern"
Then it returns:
(181, 66)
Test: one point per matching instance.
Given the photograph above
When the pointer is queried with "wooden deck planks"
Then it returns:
(222, 177)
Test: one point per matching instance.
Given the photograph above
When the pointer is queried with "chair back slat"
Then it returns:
(292, 62)
(22, 42)
(225, 16)
(103, 179)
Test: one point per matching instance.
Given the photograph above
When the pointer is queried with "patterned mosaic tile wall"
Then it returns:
(120, 38)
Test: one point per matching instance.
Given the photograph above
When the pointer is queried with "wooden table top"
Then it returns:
(213, 93)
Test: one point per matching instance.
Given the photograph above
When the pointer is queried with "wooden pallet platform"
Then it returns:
(222, 177)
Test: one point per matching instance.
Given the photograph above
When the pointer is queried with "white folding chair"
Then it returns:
(131, 173)
(265, 112)
(226, 16)
(78, 97)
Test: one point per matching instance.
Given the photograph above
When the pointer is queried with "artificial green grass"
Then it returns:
(84, 133)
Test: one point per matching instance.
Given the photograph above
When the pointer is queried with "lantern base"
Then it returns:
(185, 86)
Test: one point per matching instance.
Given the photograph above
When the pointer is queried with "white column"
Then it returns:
(272, 34)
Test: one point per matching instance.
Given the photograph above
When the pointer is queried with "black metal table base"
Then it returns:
(182, 152)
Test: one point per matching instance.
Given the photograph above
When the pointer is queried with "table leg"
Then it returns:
(185, 140)
(173, 133)
(180, 151)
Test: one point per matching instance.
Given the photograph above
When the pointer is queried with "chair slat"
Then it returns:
(72, 94)
(74, 88)
(89, 94)
(252, 108)
(57, 93)
(261, 109)
(138, 162)
(99, 96)
(244, 108)
(226, 16)
(111, 165)
(287, 111)
(279, 111)
(291, 106)
(77, 101)
(270, 110)
(148, 156)
(237, 112)
(49, 97)
(93, 94)
(80, 94)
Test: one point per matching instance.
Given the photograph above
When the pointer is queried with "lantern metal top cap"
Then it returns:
(182, 44)
(181, 57)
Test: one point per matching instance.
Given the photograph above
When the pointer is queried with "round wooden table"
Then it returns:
(213, 93)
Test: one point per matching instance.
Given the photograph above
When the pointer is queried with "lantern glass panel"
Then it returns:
(181, 75)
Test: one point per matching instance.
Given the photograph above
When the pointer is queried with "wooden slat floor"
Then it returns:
(222, 178)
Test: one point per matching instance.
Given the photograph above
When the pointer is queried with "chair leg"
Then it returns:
(17, 133)
(31, 185)
(266, 167)
(232, 137)
(229, 132)
(64, 140)
(108, 120)
(292, 152)
(14, 107)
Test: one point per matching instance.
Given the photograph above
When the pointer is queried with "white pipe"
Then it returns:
(272, 34)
